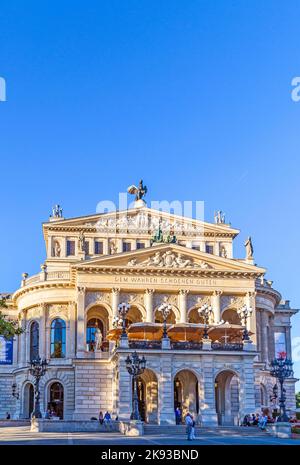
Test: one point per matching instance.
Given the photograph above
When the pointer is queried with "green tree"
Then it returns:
(298, 399)
(8, 327)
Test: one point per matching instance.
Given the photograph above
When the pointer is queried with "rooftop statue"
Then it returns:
(219, 217)
(249, 248)
(57, 211)
(139, 191)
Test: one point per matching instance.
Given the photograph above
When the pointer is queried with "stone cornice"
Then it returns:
(43, 285)
(165, 271)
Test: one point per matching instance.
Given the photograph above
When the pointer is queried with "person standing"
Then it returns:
(189, 423)
(193, 437)
(107, 420)
(178, 416)
(101, 419)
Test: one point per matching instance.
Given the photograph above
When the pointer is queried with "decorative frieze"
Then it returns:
(169, 259)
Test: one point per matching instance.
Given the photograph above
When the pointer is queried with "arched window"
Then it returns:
(92, 324)
(34, 340)
(58, 338)
(56, 404)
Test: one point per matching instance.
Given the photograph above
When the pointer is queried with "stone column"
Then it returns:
(115, 296)
(202, 246)
(216, 305)
(217, 248)
(72, 331)
(125, 390)
(42, 331)
(166, 392)
(247, 388)
(189, 244)
(105, 246)
(251, 322)
(207, 400)
(288, 341)
(22, 359)
(148, 300)
(81, 346)
(264, 336)
(119, 245)
(183, 305)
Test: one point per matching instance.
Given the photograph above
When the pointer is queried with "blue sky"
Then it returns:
(194, 96)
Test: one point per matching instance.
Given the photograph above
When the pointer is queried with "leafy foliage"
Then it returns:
(8, 327)
(298, 399)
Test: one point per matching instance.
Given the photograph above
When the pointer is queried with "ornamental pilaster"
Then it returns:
(182, 303)
(216, 305)
(148, 299)
(115, 298)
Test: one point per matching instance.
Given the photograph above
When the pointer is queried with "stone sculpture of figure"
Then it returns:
(112, 247)
(57, 211)
(98, 338)
(81, 242)
(249, 248)
(219, 217)
(155, 260)
(171, 238)
(169, 258)
(139, 191)
(57, 249)
(132, 262)
(158, 236)
(223, 252)
(181, 262)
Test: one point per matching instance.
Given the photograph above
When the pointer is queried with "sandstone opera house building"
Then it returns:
(94, 263)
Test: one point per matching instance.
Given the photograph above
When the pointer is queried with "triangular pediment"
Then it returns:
(169, 257)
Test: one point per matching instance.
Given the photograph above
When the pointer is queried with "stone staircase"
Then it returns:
(226, 431)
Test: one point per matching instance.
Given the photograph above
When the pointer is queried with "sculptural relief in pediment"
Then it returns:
(169, 259)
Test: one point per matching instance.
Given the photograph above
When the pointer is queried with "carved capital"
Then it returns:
(217, 293)
(183, 292)
(115, 290)
(149, 291)
(81, 290)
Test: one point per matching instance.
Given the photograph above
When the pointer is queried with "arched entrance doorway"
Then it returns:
(28, 400)
(56, 400)
(147, 388)
(227, 398)
(186, 394)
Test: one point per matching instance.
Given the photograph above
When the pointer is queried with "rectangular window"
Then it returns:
(126, 246)
(196, 247)
(98, 248)
(280, 343)
(209, 248)
(86, 247)
(70, 248)
(140, 245)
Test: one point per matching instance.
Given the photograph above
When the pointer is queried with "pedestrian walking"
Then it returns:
(189, 423)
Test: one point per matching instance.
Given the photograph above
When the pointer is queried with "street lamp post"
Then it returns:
(38, 368)
(205, 312)
(165, 309)
(123, 309)
(135, 367)
(245, 312)
(273, 398)
(281, 368)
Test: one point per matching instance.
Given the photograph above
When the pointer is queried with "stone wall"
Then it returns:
(93, 388)
(7, 401)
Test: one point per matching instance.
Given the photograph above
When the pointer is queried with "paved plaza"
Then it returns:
(21, 435)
